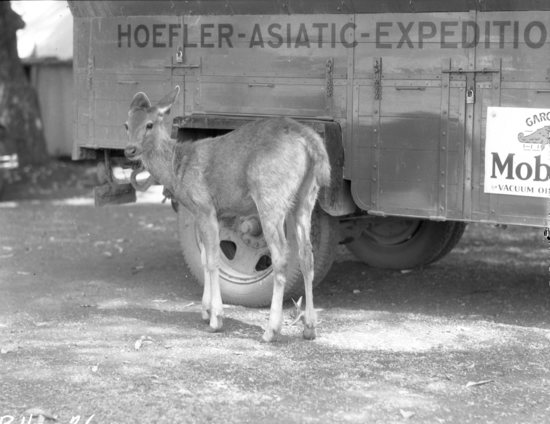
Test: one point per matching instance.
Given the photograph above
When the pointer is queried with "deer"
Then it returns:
(271, 168)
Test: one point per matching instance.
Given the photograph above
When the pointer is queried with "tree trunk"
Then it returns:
(19, 109)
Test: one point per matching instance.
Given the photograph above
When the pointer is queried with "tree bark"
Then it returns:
(19, 108)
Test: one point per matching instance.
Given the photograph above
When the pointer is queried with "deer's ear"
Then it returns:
(167, 101)
(140, 101)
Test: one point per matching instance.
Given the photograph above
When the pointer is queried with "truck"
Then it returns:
(434, 113)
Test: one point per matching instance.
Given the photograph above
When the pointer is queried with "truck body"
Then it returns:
(432, 111)
(409, 84)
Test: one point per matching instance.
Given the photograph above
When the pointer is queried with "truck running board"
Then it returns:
(114, 194)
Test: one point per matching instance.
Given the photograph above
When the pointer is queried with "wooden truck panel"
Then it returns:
(409, 83)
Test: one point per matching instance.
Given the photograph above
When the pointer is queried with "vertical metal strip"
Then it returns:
(351, 116)
(376, 125)
(469, 113)
(90, 65)
(329, 87)
(185, 107)
(496, 91)
(442, 180)
(192, 73)
(468, 149)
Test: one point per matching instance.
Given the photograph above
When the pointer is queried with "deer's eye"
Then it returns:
(126, 126)
(149, 126)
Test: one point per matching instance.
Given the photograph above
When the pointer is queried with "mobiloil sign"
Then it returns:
(517, 151)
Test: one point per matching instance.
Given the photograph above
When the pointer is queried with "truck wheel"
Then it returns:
(456, 234)
(401, 243)
(246, 274)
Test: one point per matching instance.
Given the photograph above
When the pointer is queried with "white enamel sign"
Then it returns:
(517, 151)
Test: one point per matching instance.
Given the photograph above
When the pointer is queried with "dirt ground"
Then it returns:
(100, 323)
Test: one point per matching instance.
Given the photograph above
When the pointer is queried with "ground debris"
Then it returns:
(137, 268)
(297, 314)
(185, 392)
(406, 414)
(8, 348)
(143, 340)
(478, 383)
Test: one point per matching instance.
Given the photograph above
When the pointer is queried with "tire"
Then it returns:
(246, 274)
(401, 243)
(456, 234)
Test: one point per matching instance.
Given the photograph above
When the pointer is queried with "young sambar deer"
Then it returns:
(271, 169)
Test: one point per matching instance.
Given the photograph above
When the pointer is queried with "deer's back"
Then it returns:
(264, 159)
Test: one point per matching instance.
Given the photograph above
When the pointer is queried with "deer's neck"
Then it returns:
(159, 162)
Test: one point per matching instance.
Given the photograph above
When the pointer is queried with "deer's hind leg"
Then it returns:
(302, 212)
(272, 221)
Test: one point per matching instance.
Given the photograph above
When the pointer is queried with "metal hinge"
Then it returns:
(378, 78)
(471, 71)
(329, 68)
(180, 65)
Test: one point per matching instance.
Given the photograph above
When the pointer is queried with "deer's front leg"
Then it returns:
(212, 299)
(207, 291)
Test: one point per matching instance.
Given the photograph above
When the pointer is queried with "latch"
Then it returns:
(470, 96)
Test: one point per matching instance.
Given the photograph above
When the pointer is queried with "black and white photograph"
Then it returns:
(275, 211)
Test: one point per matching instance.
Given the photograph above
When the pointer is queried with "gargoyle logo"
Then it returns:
(537, 140)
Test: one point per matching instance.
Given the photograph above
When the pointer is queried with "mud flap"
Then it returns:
(114, 194)
(336, 199)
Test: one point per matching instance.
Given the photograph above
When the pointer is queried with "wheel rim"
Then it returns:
(242, 261)
(392, 232)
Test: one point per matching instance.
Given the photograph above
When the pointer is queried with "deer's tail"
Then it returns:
(319, 156)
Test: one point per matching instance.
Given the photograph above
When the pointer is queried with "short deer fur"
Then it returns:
(272, 168)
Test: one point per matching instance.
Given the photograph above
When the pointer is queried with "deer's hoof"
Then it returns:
(309, 333)
(216, 323)
(205, 315)
(270, 336)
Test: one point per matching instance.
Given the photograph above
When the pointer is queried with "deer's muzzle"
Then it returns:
(131, 152)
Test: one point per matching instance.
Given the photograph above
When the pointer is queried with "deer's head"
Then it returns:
(145, 127)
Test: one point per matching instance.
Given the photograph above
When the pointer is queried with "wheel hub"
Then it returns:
(243, 248)
(250, 232)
